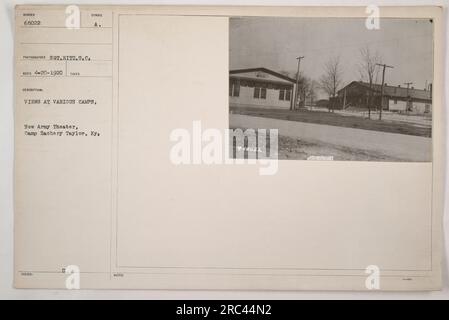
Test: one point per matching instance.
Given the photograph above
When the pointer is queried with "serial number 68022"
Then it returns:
(229, 309)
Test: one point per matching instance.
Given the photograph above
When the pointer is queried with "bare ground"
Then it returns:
(335, 119)
(297, 149)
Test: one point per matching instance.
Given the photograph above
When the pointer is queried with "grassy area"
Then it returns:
(334, 119)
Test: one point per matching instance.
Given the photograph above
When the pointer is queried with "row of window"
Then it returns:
(259, 93)
(234, 90)
(284, 94)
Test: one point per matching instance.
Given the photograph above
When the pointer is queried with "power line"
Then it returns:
(408, 98)
(382, 89)
(297, 81)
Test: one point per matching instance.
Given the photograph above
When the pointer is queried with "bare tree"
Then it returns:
(331, 80)
(369, 72)
(303, 88)
(306, 86)
(290, 74)
(314, 85)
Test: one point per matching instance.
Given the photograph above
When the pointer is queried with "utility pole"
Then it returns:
(297, 82)
(408, 98)
(382, 88)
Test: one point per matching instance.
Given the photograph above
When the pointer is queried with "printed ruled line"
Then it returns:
(267, 268)
(111, 224)
(25, 76)
(235, 274)
(59, 27)
(67, 43)
(50, 60)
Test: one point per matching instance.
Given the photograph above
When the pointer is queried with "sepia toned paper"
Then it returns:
(96, 113)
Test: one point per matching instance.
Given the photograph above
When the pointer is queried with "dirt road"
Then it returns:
(335, 119)
(391, 145)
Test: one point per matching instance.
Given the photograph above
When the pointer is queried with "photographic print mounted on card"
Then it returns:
(238, 148)
(335, 88)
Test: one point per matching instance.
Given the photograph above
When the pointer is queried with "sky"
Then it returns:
(274, 43)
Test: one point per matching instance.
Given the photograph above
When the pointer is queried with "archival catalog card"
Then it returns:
(253, 148)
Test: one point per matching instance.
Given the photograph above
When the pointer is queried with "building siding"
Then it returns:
(398, 106)
(356, 95)
(247, 80)
(246, 98)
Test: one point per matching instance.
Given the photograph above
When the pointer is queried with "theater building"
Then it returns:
(260, 87)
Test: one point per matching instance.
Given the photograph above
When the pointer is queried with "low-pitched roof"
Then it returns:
(398, 92)
(261, 69)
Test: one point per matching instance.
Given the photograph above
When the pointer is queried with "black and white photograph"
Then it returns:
(335, 88)
(244, 152)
